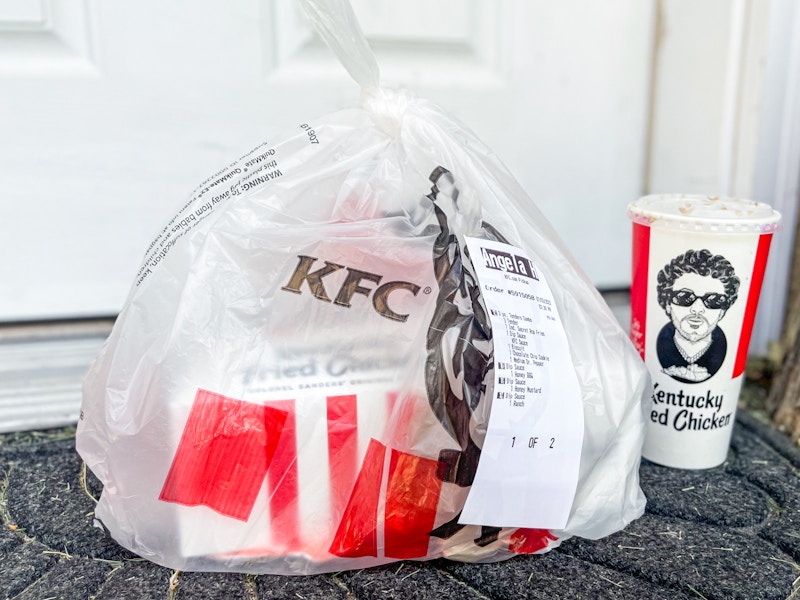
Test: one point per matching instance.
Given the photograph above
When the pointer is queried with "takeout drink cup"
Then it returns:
(698, 266)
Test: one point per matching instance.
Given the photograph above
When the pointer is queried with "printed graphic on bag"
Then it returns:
(351, 285)
(234, 453)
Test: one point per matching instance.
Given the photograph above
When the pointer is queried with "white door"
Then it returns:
(111, 112)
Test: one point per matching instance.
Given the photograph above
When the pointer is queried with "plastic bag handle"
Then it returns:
(336, 24)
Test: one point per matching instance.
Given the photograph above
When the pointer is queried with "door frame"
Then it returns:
(776, 178)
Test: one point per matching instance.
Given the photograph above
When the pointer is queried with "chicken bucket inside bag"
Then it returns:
(358, 345)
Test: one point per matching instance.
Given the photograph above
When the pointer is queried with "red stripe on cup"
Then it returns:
(412, 497)
(639, 272)
(342, 449)
(225, 450)
(357, 534)
(760, 265)
(282, 482)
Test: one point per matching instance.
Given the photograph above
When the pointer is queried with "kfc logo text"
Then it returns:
(351, 286)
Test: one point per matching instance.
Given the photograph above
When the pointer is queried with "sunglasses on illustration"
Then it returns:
(688, 297)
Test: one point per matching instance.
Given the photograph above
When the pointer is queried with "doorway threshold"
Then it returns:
(42, 366)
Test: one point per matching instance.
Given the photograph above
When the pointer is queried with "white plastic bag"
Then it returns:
(303, 375)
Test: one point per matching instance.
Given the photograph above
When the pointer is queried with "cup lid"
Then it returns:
(712, 214)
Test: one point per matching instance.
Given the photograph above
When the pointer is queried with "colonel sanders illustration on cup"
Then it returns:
(695, 290)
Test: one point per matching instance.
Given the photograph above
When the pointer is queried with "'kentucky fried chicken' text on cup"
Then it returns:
(698, 265)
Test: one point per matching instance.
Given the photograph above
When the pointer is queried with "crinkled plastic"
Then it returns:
(301, 378)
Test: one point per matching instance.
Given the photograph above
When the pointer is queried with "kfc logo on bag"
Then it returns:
(349, 287)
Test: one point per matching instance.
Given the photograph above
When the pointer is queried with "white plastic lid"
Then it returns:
(709, 214)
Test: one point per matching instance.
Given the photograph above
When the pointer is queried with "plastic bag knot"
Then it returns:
(387, 108)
